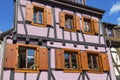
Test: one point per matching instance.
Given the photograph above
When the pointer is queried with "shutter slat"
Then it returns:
(10, 56)
(43, 59)
(84, 60)
(49, 16)
(59, 58)
(105, 62)
(29, 12)
(62, 19)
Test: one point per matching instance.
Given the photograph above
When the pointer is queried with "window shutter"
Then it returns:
(105, 62)
(79, 61)
(29, 12)
(42, 59)
(96, 27)
(59, 58)
(62, 19)
(45, 15)
(49, 16)
(10, 56)
(82, 24)
(77, 23)
(84, 60)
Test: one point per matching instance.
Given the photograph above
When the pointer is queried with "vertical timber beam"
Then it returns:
(49, 63)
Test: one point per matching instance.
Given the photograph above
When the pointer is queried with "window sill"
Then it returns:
(95, 71)
(89, 33)
(39, 25)
(72, 71)
(70, 30)
(26, 70)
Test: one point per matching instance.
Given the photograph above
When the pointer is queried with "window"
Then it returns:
(68, 60)
(26, 58)
(38, 15)
(110, 32)
(93, 61)
(87, 25)
(69, 22)
(71, 60)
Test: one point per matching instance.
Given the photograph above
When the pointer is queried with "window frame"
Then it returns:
(78, 60)
(100, 70)
(27, 70)
(91, 25)
(39, 7)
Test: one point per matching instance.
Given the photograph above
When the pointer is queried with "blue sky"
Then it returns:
(112, 14)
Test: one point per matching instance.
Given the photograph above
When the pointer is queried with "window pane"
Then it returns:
(35, 19)
(22, 57)
(67, 64)
(69, 22)
(93, 61)
(74, 61)
(89, 61)
(110, 32)
(40, 17)
(30, 57)
(87, 27)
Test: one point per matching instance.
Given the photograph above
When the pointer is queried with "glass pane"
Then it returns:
(35, 19)
(69, 22)
(30, 57)
(95, 64)
(87, 26)
(67, 64)
(40, 17)
(110, 32)
(74, 61)
(89, 61)
(22, 57)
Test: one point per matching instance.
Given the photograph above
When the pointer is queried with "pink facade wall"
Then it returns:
(42, 31)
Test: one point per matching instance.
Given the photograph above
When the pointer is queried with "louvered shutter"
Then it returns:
(84, 60)
(42, 58)
(10, 56)
(29, 12)
(45, 15)
(77, 23)
(62, 19)
(105, 62)
(96, 27)
(59, 59)
(49, 16)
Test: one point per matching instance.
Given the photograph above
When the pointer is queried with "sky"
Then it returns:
(112, 14)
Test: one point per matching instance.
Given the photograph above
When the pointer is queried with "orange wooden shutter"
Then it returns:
(62, 19)
(82, 24)
(96, 27)
(77, 23)
(59, 58)
(43, 59)
(10, 56)
(105, 62)
(79, 61)
(49, 16)
(84, 60)
(29, 12)
(45, 15)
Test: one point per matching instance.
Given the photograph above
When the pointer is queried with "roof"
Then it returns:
(6, 33)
